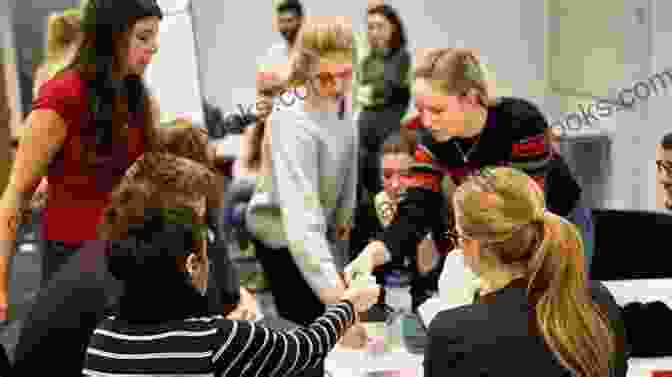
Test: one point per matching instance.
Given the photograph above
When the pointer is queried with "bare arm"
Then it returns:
(43, 137)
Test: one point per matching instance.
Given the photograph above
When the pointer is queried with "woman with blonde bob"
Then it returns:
(304, 202)
(535, 311)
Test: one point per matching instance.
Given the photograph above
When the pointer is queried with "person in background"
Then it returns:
(463, 128)
(185, 140)
(87, 126)
(161, 257)
(664, 169)
(64, 35)
(289, 17)
(397, 161)
(536, 310)
(383, 90)
(382, 98)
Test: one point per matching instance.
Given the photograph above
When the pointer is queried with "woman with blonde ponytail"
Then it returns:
(536, 313)
(64, 35)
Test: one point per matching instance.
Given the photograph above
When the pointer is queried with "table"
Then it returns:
(343, 362)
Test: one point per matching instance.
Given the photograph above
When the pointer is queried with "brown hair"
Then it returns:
(403, 141)
(155, 180)
(398, 38)
(454, 71)
(100, 58)
(505, 211)
(185, 140)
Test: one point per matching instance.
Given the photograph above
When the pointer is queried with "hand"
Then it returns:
(355, 337)
(361, 266)
(343, 232)
(247, 308)
(363, 298)
(371, 257)
(264, 106)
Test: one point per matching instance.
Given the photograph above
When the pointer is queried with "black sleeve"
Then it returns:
(417, 212)
(605, 300)
(397, 90)
(224, 279)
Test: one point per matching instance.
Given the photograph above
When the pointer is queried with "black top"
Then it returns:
(497, 336)
(515, 135)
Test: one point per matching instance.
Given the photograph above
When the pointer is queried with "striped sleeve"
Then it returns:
(531, 149)
(254, 351)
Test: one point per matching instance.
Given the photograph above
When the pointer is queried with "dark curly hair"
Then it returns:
(183, 139)
(155, 180)
(160, 242)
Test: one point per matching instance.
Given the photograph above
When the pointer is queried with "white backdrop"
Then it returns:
(173, 76)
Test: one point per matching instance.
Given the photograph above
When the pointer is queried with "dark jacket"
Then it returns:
(497, 336)
(515, 134)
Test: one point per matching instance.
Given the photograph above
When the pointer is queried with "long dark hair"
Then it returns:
(398, 39)
(106, 25)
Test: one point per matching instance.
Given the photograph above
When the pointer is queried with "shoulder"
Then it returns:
(290, 122)
(455, 323)
(522, 115)
(603, 298)
(68, 84)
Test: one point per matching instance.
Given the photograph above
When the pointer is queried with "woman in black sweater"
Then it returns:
(460, 129)
(535, 313)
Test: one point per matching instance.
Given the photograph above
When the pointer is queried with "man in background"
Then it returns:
(288, 19)
(664, 172)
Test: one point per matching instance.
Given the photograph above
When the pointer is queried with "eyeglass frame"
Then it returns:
(664, 166)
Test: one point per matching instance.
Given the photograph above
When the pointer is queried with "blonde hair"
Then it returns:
(329, 38)
(63, 30)
(454, 71)
(504, 209)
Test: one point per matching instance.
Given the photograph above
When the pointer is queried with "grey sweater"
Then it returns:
(311, 191)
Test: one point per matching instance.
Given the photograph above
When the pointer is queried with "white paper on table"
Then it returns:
(457, 287)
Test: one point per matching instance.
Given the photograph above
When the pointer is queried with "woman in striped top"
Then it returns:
(461, 129)
(163, 328)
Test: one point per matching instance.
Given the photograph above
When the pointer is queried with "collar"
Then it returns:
(161, 303)
(516, 284)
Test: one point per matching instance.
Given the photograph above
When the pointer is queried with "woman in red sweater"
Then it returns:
(88, 124)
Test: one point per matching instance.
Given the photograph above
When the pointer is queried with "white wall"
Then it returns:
(230, 38)
(659, 109)
(9, 58)
(510, 36)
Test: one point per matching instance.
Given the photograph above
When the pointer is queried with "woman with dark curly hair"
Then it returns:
(162, 260)
(75, 300)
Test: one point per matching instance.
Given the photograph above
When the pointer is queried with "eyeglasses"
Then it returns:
(664, 167)
(455, 238)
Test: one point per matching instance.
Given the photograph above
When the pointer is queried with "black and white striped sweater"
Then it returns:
(212, 346)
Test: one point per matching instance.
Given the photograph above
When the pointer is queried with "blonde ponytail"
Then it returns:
(63, 29)
(574, 327)
(504, 209)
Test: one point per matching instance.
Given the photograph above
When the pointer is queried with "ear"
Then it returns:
(192, 263)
